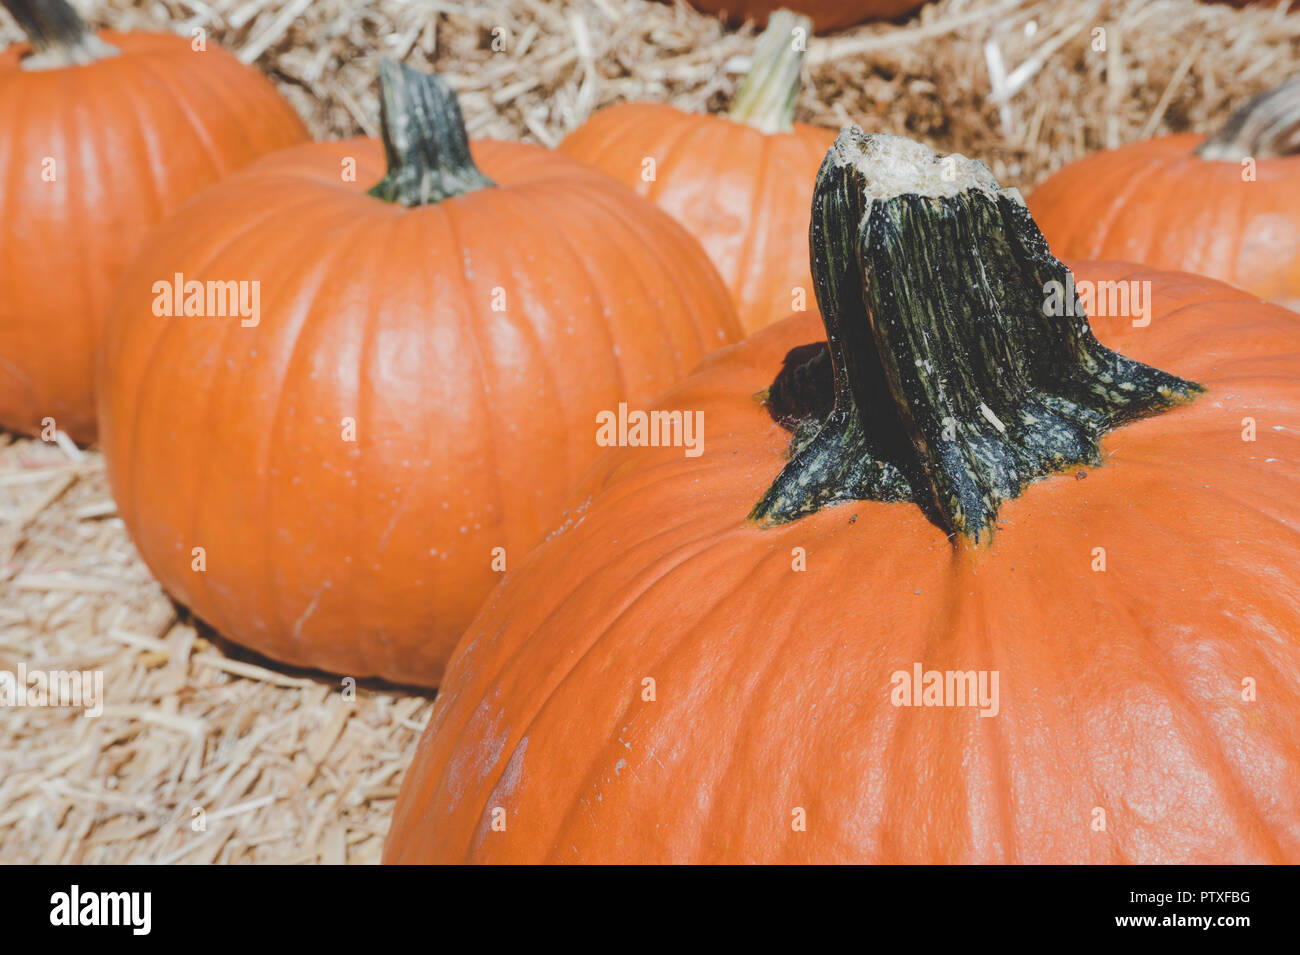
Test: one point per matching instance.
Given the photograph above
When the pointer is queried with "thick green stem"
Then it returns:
(424, 139)
(766, 97)
(58, 36)
(1266, 127)
(959, 365)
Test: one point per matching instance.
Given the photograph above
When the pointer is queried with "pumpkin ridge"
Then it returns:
(1131, 181)
(742, 281)
(368, 397)
(763, 665)
(688, 125)
(1206, 219)
(562, 673)
(167, 89)
(1199, 734)
(910, 743)
(538, 223)
(1069, 749)
(138, 130)
(1106, 526)
(541, 219)
(216, 395)
(126, 497)
(529, 206)
(1243, 212)
(633, 228)
(1002, 761)
(597, 764)
(78, 198)
(471, 332)
(379, 244)
(268, 599)
(700, 546)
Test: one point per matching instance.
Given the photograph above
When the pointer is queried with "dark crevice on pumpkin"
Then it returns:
(944, 379)
(424, 138)
(57, 34)
(1266, 127)
(766, 96)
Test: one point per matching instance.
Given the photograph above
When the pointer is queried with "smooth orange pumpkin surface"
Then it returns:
(93, 155)
(825, 14)
(419, 390)
(1161, 203)
(741, 183)
(660, 682)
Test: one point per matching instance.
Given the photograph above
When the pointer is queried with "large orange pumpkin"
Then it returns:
(104, 136)
(1227, 206)
(976, 487)
(825, 14)
(411, 391)
(740, 183)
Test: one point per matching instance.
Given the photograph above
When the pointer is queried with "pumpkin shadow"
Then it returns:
(241, 654)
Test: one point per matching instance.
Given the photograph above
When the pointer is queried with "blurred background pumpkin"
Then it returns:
(1226, 206)
(107, 133)
(741, 183)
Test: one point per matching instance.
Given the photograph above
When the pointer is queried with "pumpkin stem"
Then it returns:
(58, 36)
(424, 139)
(959, 364)
(765, 99)
(1266, 127)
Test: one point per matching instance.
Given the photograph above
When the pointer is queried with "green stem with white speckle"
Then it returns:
(424, 139)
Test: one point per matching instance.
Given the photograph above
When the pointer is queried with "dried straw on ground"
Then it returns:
(282, 765)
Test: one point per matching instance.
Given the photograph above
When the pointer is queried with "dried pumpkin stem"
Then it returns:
(1266, 127)
(766, 97)
(424, 139)
(948, 378)
(58, 36)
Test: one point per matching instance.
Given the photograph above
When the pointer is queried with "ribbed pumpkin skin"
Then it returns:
(1118, 689)
(370, 557)
(743, 193)
(825, 14)
(133, 137)
(1158, 203)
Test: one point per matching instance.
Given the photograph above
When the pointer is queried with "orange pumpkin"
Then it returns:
(825, 14)
(105, 135)
(1227, 206)
(976, 487)
(402, 401)
(740, 183)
